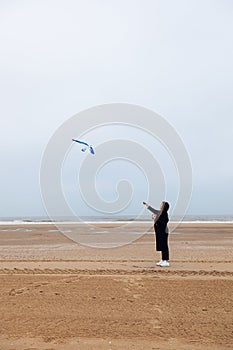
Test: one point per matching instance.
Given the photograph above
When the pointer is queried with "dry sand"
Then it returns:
(56, 294)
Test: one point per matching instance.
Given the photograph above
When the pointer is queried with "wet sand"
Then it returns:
(57, 294)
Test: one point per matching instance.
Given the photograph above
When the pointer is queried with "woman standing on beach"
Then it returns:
(161, 231)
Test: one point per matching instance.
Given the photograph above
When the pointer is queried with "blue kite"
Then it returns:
(91, 149)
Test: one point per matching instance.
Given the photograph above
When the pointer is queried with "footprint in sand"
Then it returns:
(155, 323)
(14, 291)
(157, 309)
(137, 296)
(23, 290)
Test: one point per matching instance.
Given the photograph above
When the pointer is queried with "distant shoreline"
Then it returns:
(193, 222)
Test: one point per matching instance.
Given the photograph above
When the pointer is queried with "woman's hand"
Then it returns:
(144, 203)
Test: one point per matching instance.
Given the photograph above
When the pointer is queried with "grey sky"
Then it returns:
(60, 57)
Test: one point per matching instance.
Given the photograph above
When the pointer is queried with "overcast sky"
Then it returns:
(58, 57)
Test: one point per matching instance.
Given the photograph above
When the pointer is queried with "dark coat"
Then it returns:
(160, 231)
(160, 226)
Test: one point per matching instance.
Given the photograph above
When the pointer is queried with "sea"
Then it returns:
(113, 219)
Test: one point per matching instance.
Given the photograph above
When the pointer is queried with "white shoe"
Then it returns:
(164, 263)
(158, 263)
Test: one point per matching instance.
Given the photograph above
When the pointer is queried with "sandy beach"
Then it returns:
(57, 294)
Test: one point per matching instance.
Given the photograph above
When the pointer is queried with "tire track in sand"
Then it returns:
(112, 272)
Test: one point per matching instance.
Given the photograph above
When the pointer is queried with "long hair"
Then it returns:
(163, 215)
(165, 207)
